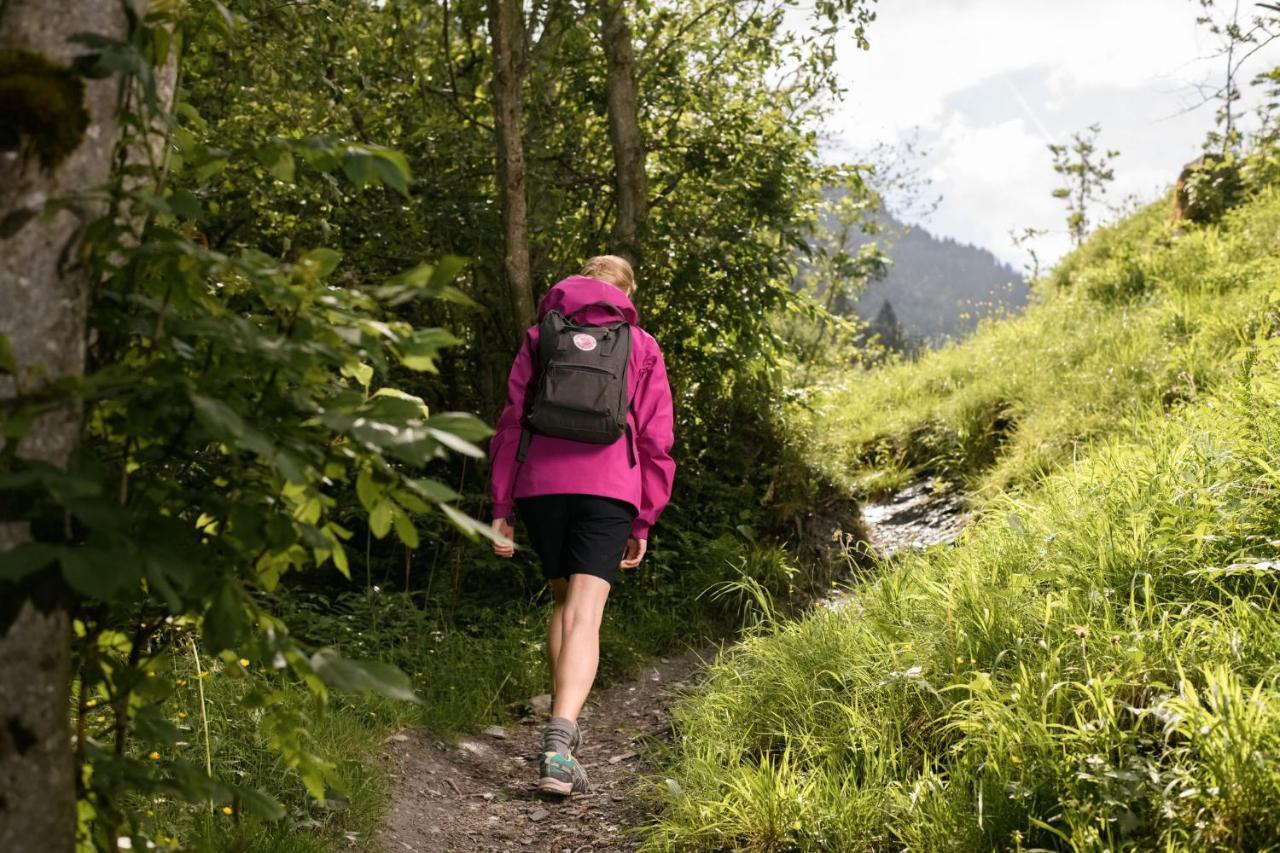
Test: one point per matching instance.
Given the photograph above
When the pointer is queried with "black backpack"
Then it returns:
(582, 381)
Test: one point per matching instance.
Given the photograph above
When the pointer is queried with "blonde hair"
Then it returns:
(612, 269)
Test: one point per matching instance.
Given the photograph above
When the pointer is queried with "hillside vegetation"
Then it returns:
(1095, 665)
(1138, 321)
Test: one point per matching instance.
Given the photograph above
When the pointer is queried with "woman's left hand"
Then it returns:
(635, 552)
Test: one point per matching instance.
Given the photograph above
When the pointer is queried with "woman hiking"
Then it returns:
(582, 455)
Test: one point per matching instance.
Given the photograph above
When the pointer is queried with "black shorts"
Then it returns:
(577, 534)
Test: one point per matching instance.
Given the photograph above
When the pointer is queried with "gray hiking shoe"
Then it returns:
(561, 775)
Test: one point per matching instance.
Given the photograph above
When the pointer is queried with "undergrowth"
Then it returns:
(469, 668)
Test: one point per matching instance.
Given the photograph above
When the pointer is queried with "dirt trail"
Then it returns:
(478, 794)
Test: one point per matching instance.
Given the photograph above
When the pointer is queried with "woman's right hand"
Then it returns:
(503, 528)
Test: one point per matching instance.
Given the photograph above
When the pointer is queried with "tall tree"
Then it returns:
(507, 32)
(60, 142)
(630, 181)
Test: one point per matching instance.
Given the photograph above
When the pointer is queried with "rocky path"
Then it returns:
(478, 793)
(915, 518)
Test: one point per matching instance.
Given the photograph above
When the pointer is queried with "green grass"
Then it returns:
(1096, 664)
(1095, 667)
(1138, 319)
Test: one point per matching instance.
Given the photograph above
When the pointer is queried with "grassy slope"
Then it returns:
(1133, 320)
(1096, 665)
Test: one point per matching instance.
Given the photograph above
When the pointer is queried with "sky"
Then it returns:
(986, 85)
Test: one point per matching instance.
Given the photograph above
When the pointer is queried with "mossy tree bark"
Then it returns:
(43, 305)
(623, 100)
(507, 32)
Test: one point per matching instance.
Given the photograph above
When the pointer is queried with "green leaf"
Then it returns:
(340, 560)
(260, 804)
(225, 621)
(100, 573)
(472, 527)
(184, 203)
(433, 490)
(17, 563)
(405, 531)
(461, 424)
(456, 443)
(359, 168)
(209, 168)
(380, 519)
(419, 351)
(367, 490)
(392, 168)
(397, 394)
(411, 502)
(348, 675)
(446, 270)
(279, 162)
(320, 262)
(227, 425)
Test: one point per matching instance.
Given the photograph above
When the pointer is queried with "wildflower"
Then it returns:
(244, 662)
(972, 661)
(182, 682)
(959, 659)
(227, 810)
(92, 703)
(1115, 639)
(1080, 631)
(155, 756)
(182, 715)
(1013, 759)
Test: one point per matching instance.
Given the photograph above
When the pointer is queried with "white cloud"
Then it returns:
(988, 83)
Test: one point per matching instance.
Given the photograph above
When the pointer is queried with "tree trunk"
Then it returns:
(506, 29)
(43, 305)
(631, 183)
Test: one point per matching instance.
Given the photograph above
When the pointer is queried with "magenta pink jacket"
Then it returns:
(556, 466)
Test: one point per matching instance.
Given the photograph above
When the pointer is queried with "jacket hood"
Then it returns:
(577, 292)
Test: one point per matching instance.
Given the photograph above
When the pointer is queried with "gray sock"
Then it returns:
(559, 734)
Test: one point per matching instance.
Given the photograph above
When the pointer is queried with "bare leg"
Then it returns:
(555, 628)
(579, 653)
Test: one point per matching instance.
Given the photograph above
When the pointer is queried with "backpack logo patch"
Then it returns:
(585, 342)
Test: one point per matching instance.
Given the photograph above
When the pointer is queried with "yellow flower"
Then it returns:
(155, 756)
(182, 682)
(91, 703)
(182, 715)
(1013, 759)
(959, 659)
(244, 662)
(227, 810)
